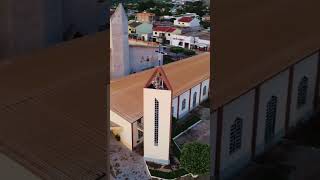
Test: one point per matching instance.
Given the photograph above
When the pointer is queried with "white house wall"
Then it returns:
(308, 68)
(277, 86)
(126, 132)
(243, 108)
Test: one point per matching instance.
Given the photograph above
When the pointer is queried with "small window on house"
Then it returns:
(204, 92)
(169, 34)
(183, 104)
(180, 43)
(235, 136)
(155, 33)
(302, 92)
(271, 114)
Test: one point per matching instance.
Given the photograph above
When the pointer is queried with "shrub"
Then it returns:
(195, 158)
(189, 52)
(176, 50)
(117, 136)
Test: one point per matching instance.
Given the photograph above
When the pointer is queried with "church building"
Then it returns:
(142, 104)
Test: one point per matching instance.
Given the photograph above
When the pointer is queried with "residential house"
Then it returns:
(187, 21)
(192, 40)
(144, 31)
(145, 17)
(163, 34)
(132, 26)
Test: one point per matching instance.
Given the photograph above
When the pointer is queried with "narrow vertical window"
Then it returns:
(183, 104)
(271, 114)
(156, 122)
(235, 136)
(204, 92)
(194, 101)
(302, 92)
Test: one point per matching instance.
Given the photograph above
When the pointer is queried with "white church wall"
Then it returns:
(184, 110)
(126, 132)
(243, 108)
(204, 84)
(277, 86)
(157, 153)
(175, 107)
(139, 56)
(195, 102)
(308, 68)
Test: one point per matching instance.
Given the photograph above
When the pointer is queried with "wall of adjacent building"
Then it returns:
(243, 108)
(126, 132)
(308, 68)
(277, 86)
(254, 103)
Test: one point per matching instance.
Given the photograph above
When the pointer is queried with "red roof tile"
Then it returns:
(185, 19)
(164, 29)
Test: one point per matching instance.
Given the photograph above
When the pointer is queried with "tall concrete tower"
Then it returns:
(157, 97)
(119, 43)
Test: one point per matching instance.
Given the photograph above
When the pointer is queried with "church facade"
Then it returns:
(252, 123)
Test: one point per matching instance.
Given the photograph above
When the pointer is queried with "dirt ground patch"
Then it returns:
(125, 164)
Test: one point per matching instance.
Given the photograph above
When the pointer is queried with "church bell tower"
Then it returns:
(119, 44)
(157, 97)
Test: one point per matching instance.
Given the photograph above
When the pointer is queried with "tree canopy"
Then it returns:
(195, 158)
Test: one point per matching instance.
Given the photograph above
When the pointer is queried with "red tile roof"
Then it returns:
(164, 29)
(185, 19)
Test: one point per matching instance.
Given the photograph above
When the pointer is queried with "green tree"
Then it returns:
(195, 158)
